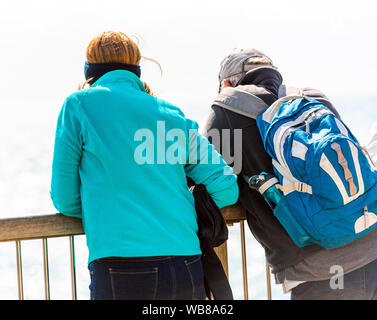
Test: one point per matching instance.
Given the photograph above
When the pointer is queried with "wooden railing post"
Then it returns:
(222, 253)
(232, 214)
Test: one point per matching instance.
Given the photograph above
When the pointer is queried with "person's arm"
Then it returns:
(206, 166)
(65, 181)
(321, 97)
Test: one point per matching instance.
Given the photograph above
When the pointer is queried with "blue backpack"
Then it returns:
(329, 183)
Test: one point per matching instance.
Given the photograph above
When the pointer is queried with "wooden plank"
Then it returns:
(57, 225)
(234, 213)
(34, 227)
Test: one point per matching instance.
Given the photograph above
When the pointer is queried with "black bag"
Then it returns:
(212, 232)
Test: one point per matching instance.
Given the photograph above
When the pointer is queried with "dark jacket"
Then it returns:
(265, 83)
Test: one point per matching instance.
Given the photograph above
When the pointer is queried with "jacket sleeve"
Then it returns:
(206, 166)
(321, 97)
(65, 181)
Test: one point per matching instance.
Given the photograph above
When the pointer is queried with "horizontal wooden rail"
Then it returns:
(234, 213)
(36, 227)
(58, 225)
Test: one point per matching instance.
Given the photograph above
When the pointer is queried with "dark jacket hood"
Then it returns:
(265, 77)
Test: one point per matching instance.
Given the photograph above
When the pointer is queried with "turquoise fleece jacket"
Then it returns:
(120, 163)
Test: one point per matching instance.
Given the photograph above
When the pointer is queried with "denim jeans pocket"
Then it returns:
(195, 270)
(134, 285)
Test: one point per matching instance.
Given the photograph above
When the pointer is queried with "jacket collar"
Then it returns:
(120, 76)
(256, 90)
(241, 100)
(264, 77)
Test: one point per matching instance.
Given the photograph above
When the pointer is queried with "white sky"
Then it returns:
(330, 45)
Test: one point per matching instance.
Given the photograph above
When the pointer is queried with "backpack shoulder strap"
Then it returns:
(285, 90)
(313, 93)
(241, 102)
(271, 111)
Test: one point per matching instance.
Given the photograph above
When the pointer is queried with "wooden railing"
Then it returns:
(58, 225)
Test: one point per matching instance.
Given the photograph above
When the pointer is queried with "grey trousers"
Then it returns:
(360, 284)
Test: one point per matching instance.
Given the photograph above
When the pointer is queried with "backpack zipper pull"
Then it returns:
(307, 127)
(307, 122)
(366, 220)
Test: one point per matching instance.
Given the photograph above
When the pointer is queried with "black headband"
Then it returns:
(97, 70)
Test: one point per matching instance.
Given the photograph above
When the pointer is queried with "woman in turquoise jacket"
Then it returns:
(121, 161)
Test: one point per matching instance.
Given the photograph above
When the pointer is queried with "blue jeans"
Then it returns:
(360, 284)
(147, 278)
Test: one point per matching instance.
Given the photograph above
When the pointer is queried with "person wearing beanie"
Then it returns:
(309, 272)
